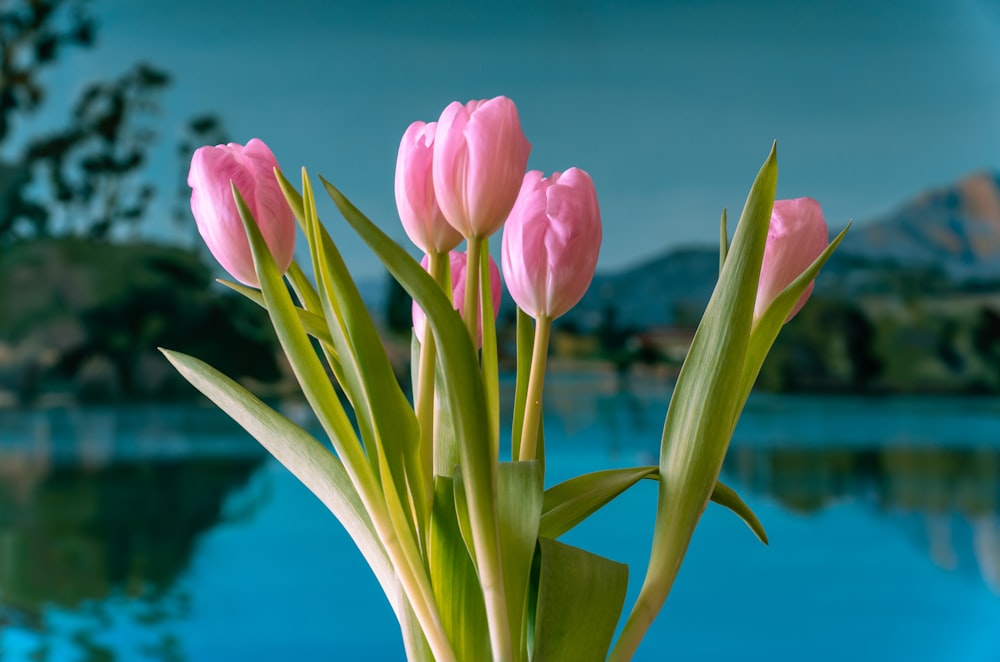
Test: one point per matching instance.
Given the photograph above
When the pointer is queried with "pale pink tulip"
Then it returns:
(251, 169)
(480, 154)
(551, 242)
(458, 261)
(418, 208)
(796, 237)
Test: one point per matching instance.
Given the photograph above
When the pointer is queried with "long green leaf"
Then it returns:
(453, 574)
(570, 502)
(310, 462)
(698, 425)
(379, 401)
(313, 324)
(580, 598)
(464, 389)
(520, 508)
(324, 402)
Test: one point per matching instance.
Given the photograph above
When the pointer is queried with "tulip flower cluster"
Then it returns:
(465, 545)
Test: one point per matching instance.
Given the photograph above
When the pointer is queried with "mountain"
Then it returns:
(955, 229)
(944, 239)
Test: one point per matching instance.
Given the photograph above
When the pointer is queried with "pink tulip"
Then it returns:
(251, 169)
(551, 242)
(480, 154)
(458, 262)
(796, 237)
(418, 208)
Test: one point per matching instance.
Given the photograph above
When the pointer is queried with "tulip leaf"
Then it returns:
(453, 574)
(326, 405)
(312, 463)
(723, 240)
(463, 387)
(580, 598)
(572, 501)
(313, 324)
(305, 363)
(294, 199)
(727, 496)
(519, 504)
(698, 426)
(383, 412)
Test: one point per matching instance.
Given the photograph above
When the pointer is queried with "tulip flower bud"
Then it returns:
(214, 170)
(480, 154)
(458, 261)
(418, 208)
(551, 242)
(796, 237)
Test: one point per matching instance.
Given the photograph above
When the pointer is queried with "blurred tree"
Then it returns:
(92, 166)
(85, 178)
(32, 34)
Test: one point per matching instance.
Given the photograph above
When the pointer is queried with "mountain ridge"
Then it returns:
(944, 238)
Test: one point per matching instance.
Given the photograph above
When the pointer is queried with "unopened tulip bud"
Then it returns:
(458, 261)
(418, 208)
(480, 154)
(214, 171)
(551, 242)
(796, 237)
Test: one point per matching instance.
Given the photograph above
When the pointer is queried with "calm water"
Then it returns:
(166, 534)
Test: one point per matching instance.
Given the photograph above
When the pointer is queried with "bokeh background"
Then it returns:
(137, 523)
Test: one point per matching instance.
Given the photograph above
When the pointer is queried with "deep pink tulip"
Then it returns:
(251, 169)
(480, 154)
(418, 208)
(551, 242)
(796, 237)
(458, 261)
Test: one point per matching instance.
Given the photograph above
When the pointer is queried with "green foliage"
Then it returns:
(85, 316)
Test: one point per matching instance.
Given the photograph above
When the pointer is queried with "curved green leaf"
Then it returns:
(453, 574)
(314, 324)
(727, 496)
(519, 503)
(310, 462)
(463, 387)
(572, 501)
(707, 394)
(580, 598)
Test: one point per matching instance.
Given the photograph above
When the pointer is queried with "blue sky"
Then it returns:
(670, 106)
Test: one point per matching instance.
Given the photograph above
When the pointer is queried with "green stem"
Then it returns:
(525, 339)
(491, 369)
(470, 309)
(536, 384)
(424, 397)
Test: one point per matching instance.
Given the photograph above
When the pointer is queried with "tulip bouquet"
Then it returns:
(458, 526)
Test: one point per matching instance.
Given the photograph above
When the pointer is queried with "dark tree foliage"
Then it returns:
(85, 178)
(33, 34)
(91, 168)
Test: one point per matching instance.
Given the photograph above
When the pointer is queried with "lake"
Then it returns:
(165, 533)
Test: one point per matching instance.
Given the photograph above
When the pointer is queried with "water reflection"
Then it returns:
(102, 505)
(950, 497)
(102, 511)
(929, 465)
